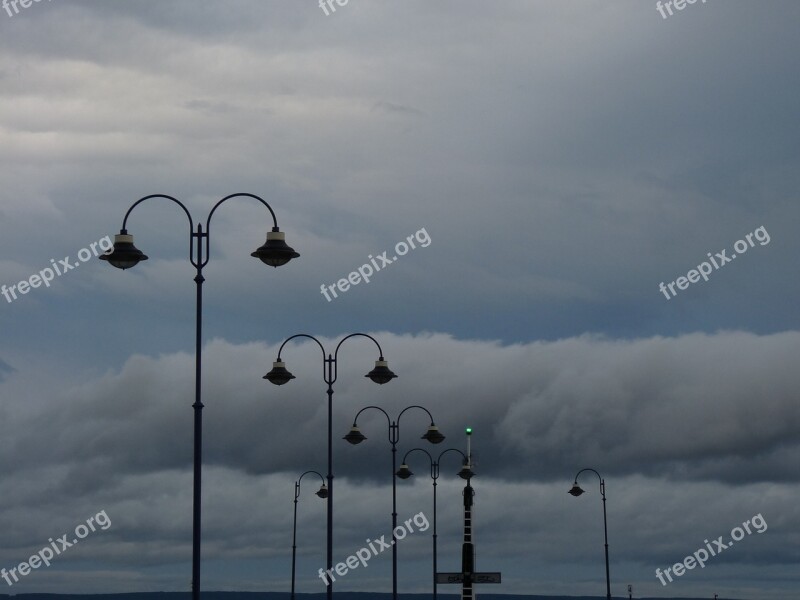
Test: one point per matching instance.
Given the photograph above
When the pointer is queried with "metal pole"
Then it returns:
(393, 436)
(605, 531)
(434, 541)
(329, 551)
(198, 421)
(294, 532)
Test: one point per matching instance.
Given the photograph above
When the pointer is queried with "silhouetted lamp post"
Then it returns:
(322, 492)
(380, 374)
(432, 435)
(404, 472)
(576, 491)
(124, 255)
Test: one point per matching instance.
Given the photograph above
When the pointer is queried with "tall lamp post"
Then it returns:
(125, 255)
(322, 492)
(433, 435)
(279, 375)
(404, 472)
(576, 491)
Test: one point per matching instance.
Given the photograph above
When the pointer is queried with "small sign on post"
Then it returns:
(476, 577)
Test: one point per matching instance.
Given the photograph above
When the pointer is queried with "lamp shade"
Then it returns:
(466, 472)
(576, 490)
(404, 472)
(381, 373)
(124, 254)
(354, 436)
(433, 435)
(275, 252)
(279, 374)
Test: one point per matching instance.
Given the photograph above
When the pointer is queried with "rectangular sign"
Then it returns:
(476, 578)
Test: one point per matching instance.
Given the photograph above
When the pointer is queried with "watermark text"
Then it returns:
(363, 555)
(720, 259)
(701, 555)
(55, 548)
(367, 270)
(48, 274)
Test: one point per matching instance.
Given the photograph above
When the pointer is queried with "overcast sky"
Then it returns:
(553, 162)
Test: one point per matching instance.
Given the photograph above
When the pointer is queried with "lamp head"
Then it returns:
(466, 472)
(576, 490)
(381, 373)
(354, 436)
(275, 252)
(322, 492)
(404, 472)
(433, 435)
(124, 254)
(279, 374)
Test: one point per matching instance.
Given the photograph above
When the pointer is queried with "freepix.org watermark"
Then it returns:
(328, 7)
(15, 4)
(720, 259)
(48, 274)
(363, 555)
(367, 270)
(700, 556)
(48, 553)
(665, 8)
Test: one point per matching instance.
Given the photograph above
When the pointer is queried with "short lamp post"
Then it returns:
(404, 472)
(124, 255)
(280, 375)
(432, 435)
(576, 491)
(322, 492)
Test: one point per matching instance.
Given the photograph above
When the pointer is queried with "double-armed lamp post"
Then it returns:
(380, 374)
(433, 435)
(404, 472)
(124, 255)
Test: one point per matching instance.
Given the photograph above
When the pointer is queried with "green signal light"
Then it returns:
(468, 430)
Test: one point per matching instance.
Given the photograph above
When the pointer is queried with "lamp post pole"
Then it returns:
(125, 255)
(404, 472)
(322, 492)
(433, 435)
(577, 491)
(279, 375)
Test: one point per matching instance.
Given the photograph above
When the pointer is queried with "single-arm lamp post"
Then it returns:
(576, 491)
(279, 375)
(124, 255)
(433, 435)
(404, 472)
(322, 492)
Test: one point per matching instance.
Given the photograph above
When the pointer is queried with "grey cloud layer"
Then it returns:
(689, 440)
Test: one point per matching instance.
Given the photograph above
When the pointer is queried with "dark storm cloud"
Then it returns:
(695, 407)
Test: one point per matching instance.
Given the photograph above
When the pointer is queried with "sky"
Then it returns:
(570, 225)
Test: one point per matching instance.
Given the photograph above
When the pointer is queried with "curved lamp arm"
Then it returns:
(388, 418)
(576, 489)
(443, 452)
(299, 479)
(311, 337)
(415, 406)
(124, 230)
(339, 345)
(217, 205)
(405, 456)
